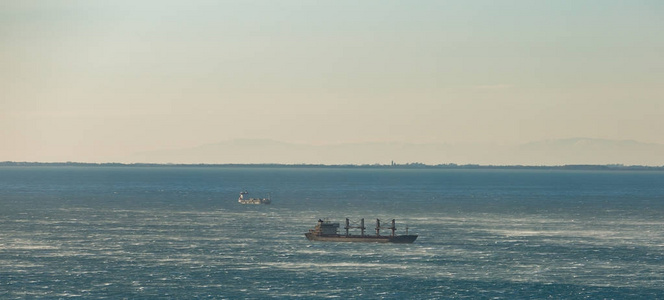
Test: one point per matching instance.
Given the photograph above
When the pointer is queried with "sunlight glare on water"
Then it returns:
(180, 233)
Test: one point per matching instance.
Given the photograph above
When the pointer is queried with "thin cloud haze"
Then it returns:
(99, 81)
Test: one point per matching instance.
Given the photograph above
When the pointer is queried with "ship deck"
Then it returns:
(359, 238)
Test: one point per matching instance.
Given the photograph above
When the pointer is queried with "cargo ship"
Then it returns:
(246, 200)
(326, 231)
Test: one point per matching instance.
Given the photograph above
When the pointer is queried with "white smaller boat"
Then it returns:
(244, 199)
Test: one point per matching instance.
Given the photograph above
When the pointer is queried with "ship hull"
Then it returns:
(254, 201)
(400, 239)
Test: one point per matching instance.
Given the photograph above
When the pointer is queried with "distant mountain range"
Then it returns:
(549, 152)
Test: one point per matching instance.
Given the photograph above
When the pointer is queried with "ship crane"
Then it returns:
(378, 227)
(361, 227)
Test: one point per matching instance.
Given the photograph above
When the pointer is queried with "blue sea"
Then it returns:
(179, 233)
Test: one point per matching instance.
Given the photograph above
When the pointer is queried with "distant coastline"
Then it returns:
(612, 167)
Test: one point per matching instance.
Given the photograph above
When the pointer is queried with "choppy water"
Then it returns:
(174, 232)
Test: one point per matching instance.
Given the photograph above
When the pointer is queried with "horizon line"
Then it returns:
(411, 165)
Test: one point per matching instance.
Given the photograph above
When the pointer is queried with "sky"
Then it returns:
(96, 81)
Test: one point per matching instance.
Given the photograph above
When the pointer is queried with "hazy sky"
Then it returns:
(98, 80)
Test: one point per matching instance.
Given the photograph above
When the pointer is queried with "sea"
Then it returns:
(178, 232)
